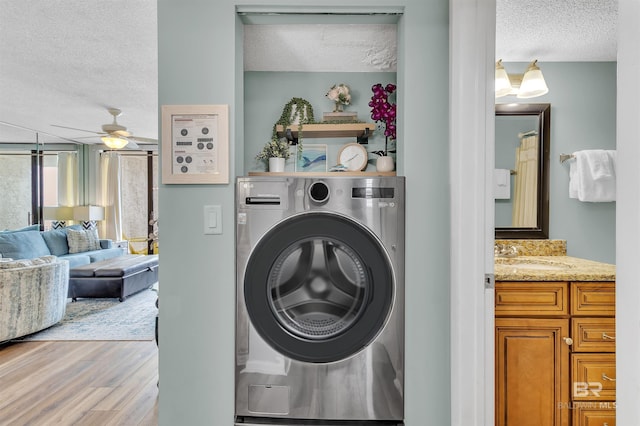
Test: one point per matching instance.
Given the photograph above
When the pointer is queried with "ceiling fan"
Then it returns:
(114, 135)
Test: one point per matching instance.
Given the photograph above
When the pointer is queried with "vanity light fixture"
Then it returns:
(114, 142)
(529, 85)
(503, 83)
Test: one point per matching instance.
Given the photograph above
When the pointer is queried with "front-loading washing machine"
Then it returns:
(320, 300)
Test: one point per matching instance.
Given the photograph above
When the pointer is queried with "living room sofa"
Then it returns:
(33, 295)
(82, 249)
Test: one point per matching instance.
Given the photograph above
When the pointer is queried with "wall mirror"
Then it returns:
(522, 171)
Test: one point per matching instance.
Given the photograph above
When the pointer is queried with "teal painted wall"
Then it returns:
(200, 62)
(583, 116)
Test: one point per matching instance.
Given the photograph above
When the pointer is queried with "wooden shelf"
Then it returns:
(323, 174)
(333, 130)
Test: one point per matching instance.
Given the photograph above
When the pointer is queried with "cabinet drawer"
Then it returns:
(594, 377)
(531, 298)
(593, 298)
(593, 334)
(594, 414)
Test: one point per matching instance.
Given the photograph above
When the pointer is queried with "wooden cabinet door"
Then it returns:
(532, 372)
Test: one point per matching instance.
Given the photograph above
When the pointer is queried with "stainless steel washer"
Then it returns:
(320, 300)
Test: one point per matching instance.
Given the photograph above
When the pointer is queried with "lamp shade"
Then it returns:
(533, 83)
(503, 84)
(57, 212)
(114, 142)
(88, 213)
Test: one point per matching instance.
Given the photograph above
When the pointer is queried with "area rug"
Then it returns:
(105, 319)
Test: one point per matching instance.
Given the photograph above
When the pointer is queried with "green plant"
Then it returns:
(303, 114)
(275, 148)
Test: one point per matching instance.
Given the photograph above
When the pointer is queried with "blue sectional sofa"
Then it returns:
(29, 243)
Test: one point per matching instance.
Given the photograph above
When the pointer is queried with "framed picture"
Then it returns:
(195, 144)
(312, 159)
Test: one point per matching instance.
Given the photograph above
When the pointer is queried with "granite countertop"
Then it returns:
(552, 268)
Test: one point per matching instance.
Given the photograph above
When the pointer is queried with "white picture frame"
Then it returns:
(313, 158)
(195, 144)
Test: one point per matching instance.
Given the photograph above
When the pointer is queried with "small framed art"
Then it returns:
(313, 158)
(195, 144)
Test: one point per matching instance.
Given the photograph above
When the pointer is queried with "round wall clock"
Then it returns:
(353, 156)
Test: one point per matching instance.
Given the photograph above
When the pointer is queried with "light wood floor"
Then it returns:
(92, 383)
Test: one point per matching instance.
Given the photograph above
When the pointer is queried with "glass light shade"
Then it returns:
(114, 142)
(533, 83)
(503, 84)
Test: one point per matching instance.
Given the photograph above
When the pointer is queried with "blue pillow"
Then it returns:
(56, 240)
(23, 245)
(35, 227)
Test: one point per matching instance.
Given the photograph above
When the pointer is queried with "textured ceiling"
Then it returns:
(556, 30)
(65, 62)
(321, 48)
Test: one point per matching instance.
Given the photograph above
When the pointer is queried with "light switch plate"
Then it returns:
(212, 220)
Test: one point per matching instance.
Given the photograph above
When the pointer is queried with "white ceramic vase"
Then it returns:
(276, 164)
(297, 116)
(384, 164)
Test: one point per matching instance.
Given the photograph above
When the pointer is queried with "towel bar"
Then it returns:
(565, 157)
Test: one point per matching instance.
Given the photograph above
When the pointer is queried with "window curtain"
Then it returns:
(111, 196)
(68, 179)
(525, 196)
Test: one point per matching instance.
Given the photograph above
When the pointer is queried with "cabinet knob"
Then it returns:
(568, 340)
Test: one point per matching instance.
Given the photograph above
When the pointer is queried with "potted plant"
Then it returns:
(297, 111)
(275, 152)
(384, 112)
(339, 94)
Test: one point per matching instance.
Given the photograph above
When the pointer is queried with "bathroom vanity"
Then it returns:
(554, 338)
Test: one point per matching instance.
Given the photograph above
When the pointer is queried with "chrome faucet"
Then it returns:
(505, 250)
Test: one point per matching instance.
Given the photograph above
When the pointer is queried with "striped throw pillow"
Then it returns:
(82, 240)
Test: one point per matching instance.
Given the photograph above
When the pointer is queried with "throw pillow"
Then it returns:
(81, 241)
(23, 245)
(56, 240)
(26, 228)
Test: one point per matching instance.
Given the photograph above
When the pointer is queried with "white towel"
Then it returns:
(501, 184)
(592, 176)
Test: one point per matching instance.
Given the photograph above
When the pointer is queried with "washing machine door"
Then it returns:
(318, 287)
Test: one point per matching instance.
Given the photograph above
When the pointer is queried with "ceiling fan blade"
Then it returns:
(121, 133)
(73, 128)
(131, 145)
(143, 140)
(89, 137)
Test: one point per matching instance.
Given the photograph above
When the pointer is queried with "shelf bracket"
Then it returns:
(364, 137)
(290, 138)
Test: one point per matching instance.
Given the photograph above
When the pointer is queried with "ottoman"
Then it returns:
(116, 277)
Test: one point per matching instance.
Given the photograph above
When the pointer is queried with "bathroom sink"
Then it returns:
(532, 264)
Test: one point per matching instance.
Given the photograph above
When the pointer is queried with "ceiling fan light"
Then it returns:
(533, 83)
(503, 84)
(114, 142)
